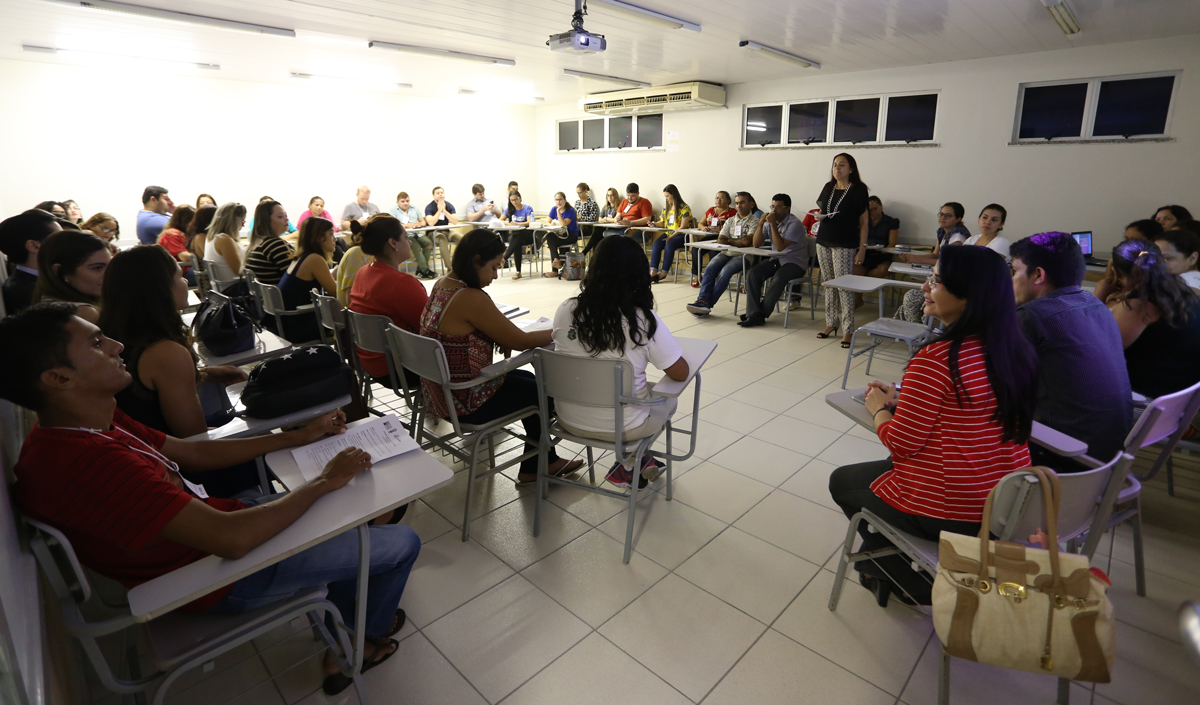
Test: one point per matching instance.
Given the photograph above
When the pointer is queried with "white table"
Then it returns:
(859, 285)
(912, 250)
(1059, 443)
(266, 344)
(696, 351)
(387, 485)
(511, 311)
(909, 269)
(244, 427)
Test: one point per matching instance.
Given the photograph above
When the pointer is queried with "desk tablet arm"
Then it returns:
(496, 369)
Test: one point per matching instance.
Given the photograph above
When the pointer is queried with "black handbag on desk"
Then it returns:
(303, 378)
(224, 329)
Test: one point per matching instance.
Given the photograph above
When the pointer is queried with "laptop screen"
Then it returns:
(1085, 242)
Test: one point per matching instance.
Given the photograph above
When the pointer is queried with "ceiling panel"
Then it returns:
(843, 35)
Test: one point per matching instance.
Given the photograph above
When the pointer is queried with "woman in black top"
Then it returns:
(1159, 319)
(882, 229)
(841, 232)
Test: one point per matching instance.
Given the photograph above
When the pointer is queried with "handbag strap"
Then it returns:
(1051, 493)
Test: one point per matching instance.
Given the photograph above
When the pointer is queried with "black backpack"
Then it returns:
(303, 378)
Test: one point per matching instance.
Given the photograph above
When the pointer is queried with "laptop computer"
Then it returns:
(1084, 238)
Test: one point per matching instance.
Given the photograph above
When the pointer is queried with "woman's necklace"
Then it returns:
(829, 207)
(456, 279)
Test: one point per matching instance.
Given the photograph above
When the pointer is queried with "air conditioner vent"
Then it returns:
(682, 96)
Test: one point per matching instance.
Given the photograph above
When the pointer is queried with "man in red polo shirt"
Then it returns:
(114, 487)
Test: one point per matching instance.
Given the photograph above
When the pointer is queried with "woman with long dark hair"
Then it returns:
(1159, 318)
(1174, 216)
(613, 318)
(197, 231)
(71, 267)
(676, 216)
(173, 238)
(268, 254)
(465, 320)
(607, 213)
(141, 301)
(960, 421)
(308, 272)
(841, 230)
(518, 213)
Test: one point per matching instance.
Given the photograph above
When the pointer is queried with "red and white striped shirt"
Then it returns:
(946, 458)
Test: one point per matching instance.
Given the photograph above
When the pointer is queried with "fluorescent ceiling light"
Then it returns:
(362, 82)
(602, 77)
(643, 14)
(55, 50)
(781, 55)
(465, 91)
(1062, 14)
(334, 39)
(441, 52)
(172, 16)
(755, 128)
(757, 124)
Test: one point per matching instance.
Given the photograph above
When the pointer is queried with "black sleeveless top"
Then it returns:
(138, 401)
(1163, 358)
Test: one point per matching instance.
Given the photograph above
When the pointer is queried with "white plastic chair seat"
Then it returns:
(911, 334)
(659, 415)
(175, 637)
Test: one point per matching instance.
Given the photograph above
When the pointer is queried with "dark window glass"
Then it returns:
(1135, 106)
(857, 120)
(649, 131)
(910, 118)
(568, 135)
(593, 134)
(808, 123)
(620, 132)
(764, 125)
(1053, 111)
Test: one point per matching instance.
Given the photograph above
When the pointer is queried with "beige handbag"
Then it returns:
(1005, 604)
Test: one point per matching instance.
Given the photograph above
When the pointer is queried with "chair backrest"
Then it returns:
(330, 313)
(1019, 509)
(270, 297)
(1163, 418)
(587, 381)
(59, 562)
(216, 297)
(424, 356)
(218, 272)
(369, 331)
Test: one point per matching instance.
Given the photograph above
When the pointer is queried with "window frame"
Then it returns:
(635, 147)
(831, 121)
(1091, 102)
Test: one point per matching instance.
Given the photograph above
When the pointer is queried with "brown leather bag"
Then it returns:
(1030, 609)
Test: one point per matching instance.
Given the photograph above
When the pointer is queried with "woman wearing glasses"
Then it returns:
(951, 231)
(959, 422)
(105, 227)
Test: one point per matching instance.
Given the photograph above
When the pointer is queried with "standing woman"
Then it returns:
(676, 216)
(105, 227)
(309, 271)
(607, 214)
(221, 244)
(518, 213)
(841, 230)
(464, 319)
(269, 255)
(960, 422)
(565, 216)
(197, 231)
(71, 266)
(173, 238)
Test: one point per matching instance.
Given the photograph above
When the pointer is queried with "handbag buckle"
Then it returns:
(1013, 590)
(1047, 662)
(983, 586)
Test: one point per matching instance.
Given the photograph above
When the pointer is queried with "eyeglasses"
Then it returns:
(945, 215)
(933, 280)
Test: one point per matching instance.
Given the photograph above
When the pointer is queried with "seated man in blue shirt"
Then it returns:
(783, 232)
(1084, 389)
(156, 211)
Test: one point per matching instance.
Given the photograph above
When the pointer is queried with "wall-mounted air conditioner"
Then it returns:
(660, 99)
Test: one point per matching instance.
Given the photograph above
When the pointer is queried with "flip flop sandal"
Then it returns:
(332, 685)
(397, 622)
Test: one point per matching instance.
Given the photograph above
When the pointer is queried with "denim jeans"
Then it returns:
(672, 245)
(716, 277)
(334, 563)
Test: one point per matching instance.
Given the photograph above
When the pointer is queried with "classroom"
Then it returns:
(586, 351)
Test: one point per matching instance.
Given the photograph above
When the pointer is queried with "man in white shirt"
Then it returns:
(481, 210)
(783, 232)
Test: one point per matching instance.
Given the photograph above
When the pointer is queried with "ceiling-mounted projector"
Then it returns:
(577, 40)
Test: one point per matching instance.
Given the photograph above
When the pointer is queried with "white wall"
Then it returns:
(1052, 187)
(120, 131)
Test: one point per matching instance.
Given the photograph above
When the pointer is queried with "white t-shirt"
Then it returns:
(661, 351)
(1191, 278)
(222, 269)
(998, 244)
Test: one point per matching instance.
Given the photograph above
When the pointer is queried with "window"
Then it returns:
(618, 132)
(593, 134)
(649, 131)
(1053, 111)
(856, 120)
(568, 135)
(910, 118)
(1136, 106)
(808, 123)
(764, 125)
(1112, 107)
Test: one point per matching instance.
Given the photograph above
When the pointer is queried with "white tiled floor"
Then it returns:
(725, 598)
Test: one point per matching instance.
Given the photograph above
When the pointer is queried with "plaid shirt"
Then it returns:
(588, 211)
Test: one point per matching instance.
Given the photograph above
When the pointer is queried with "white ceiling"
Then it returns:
(843, 35)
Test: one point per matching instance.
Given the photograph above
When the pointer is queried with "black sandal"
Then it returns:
(823, 334)
(336, 683)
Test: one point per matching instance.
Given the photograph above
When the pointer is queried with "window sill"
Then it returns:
(844, 146)
(638, 150)
(1131, 140)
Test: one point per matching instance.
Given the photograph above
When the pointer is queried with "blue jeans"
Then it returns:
(672, 245)
(717, 275)
(334, 563)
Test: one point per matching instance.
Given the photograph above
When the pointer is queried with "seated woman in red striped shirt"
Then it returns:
(959, 423)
